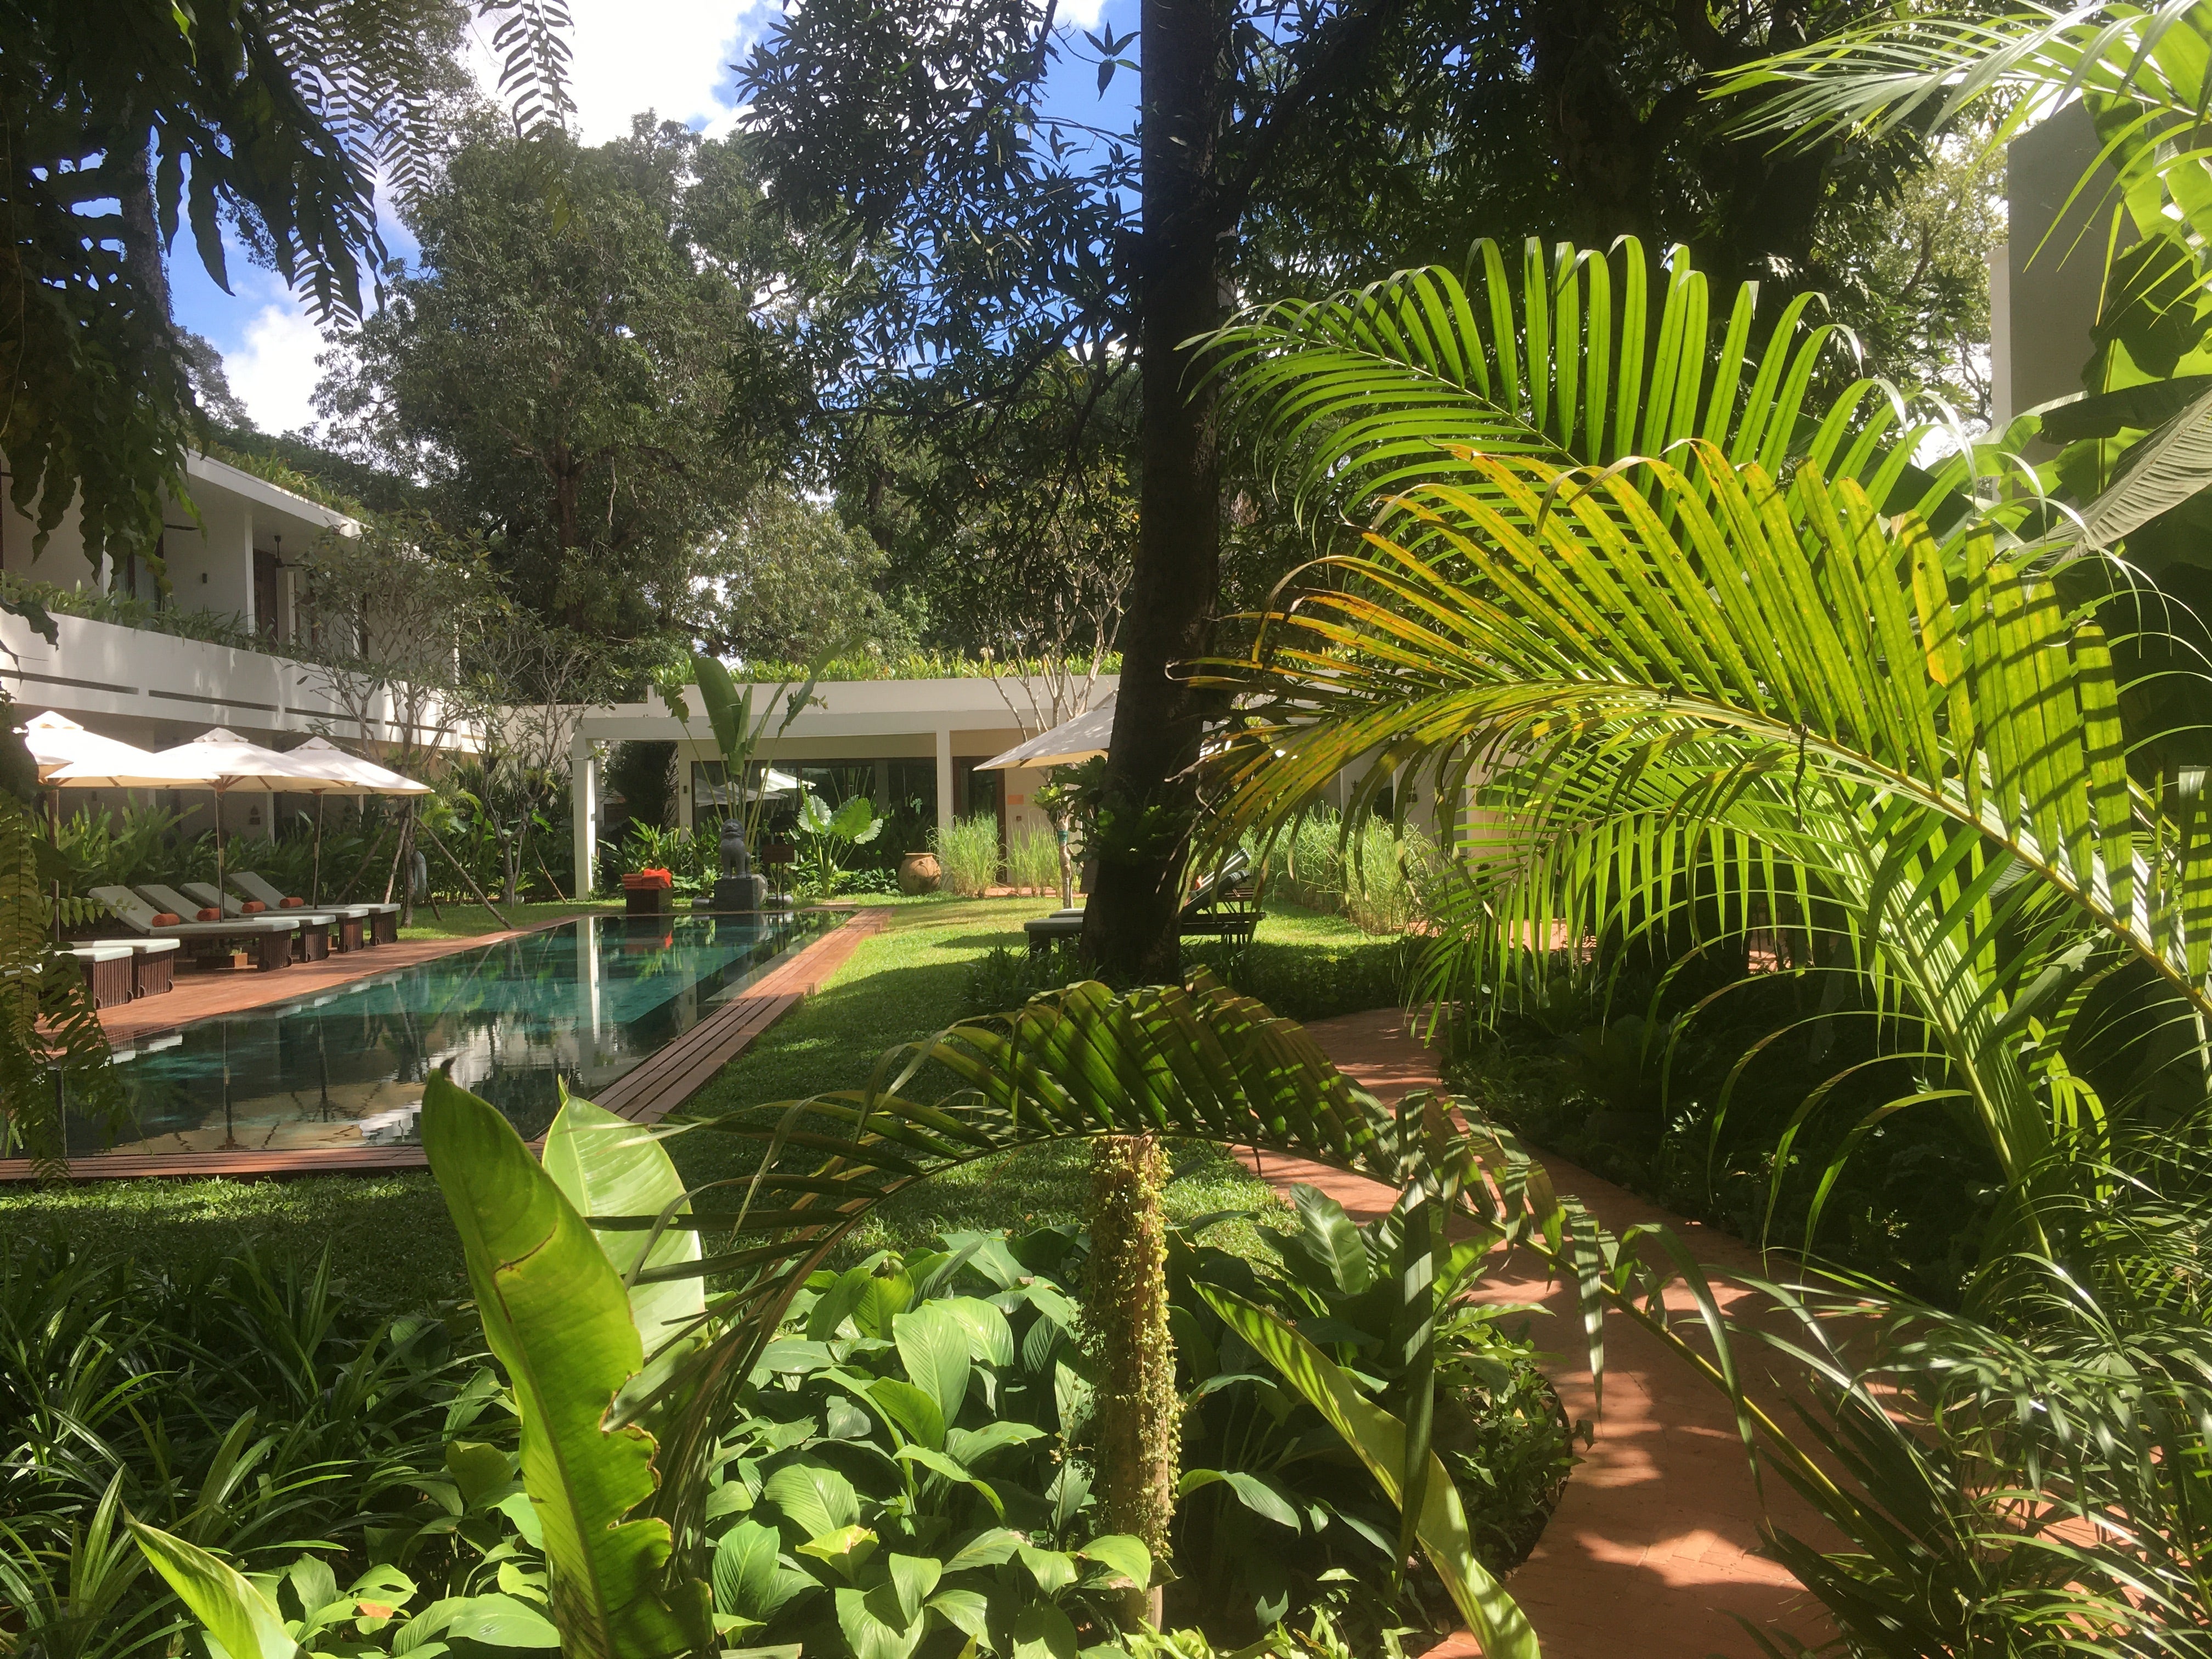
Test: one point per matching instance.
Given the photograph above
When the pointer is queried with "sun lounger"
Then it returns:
(106, 970)
(383, 919)
(271, 940)
(316, 926)
(355, 925)
(1201, 916)
(153, 963)
(309, 941)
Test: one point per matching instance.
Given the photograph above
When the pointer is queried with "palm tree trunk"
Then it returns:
(1126, 1325)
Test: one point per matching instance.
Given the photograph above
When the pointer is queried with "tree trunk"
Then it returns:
(1600, 142)
(1126, 1330)
(1129, 928)
(141, 234)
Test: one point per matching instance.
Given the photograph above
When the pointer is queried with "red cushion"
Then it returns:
(210, 915)
(167, 920)
(251, 907)
(293, 903)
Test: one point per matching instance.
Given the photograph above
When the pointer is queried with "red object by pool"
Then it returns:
(644, 880)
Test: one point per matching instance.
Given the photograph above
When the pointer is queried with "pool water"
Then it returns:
(582, 1002)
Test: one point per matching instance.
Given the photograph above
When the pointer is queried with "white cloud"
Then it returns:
(669, 56)
(274, 372)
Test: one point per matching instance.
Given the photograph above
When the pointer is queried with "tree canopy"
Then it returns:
(557, 371)
(124, 120)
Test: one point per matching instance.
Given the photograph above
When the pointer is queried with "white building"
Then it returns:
(919, 738)
(235, 554)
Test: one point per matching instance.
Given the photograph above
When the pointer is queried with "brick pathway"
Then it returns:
(1649, 1554)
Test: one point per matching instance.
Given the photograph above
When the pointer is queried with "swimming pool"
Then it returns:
(584, 1001)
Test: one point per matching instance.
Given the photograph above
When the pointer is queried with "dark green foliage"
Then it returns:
(243, 1404)
(555, 371)
(1277, 1515)
(939, 1402)
(1302, 982)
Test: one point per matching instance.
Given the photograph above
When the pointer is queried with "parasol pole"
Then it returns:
(315, 893)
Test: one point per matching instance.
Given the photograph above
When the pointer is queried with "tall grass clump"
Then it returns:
(1033, 859)
(1376, 876)
(968, 853)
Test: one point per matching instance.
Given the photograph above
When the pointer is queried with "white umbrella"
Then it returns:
(1074, 740)
(219, 760)
(347, 774)
(56, 741)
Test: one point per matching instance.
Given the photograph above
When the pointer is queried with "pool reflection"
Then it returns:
(584, 1001)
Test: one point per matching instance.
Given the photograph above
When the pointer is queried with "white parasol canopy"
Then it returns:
(56, 741)
(218, 759)
(348, 774)
(343, 774)
(1074, 740)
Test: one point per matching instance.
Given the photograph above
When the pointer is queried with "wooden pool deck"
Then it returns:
(663, 1081)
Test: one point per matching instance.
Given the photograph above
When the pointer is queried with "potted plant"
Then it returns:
(645, 892)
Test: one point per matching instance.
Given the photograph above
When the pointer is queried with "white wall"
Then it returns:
(156, 690)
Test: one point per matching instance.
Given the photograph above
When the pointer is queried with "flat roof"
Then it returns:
(262, 493)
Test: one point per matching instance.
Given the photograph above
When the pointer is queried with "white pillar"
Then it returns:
(945, 777)
(584, 803)
(245, 572)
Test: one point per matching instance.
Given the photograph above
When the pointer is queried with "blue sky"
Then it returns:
(671, 55)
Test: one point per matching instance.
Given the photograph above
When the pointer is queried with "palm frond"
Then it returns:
(1361, 393)
(1927, 70)
(1612, 681)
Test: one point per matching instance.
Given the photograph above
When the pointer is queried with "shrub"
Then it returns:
(1310, 982)
(244, 1405)
(967, 852)
(1003, 978)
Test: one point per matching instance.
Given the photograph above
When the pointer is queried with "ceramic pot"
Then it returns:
(918, 872)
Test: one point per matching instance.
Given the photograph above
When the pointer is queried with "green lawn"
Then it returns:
(467, 921)
(394, 1247)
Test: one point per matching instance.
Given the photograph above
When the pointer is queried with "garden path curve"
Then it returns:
(1651, 1554)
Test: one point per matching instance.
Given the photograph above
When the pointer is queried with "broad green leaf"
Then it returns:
(851, 817)
(876, 1626)
(990, 1338)
(558, 1320)
(972, 1446)
(479, 1471)
(988, 1548)
(1042, 1631)
(932, 1346)
(502, 1622)
(938, 1463)
(913, 1577)
(967, 1611)
(1331, 1241)
(1255, 1494)
(1053, 1569)
(913, 1409)
(221, 1597)
(815, 1499)
(750, 1577)
(1120, 1554)
(847, 1549)
(1379, 1440)
(315, 1584)
(606, 1165)
(880, 1299)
